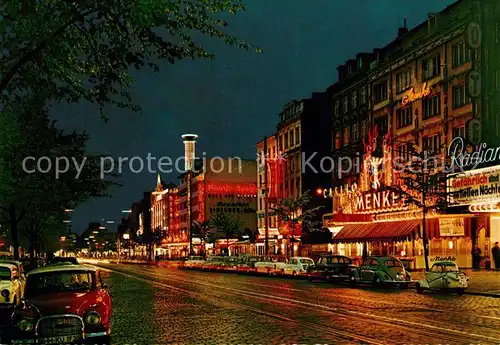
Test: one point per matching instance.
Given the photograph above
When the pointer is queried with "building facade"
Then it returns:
(418, 101)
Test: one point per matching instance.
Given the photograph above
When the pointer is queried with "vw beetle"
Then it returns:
(443, 276)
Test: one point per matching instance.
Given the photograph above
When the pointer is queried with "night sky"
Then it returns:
(233, 101)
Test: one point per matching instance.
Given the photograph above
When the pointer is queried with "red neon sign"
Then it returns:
(228, 188)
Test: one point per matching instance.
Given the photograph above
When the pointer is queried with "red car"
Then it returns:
(62, 304)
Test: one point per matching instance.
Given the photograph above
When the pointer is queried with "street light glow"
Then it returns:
(102, 227)
(63, 238)
(110, 221)
(126, 211)
(68, 210)
(66, 221)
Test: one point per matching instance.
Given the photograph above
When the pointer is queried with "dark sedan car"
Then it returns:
(332, 267)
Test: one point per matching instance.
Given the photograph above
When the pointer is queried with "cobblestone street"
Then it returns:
(165, 305)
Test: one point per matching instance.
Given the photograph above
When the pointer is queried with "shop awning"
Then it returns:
(362, 232)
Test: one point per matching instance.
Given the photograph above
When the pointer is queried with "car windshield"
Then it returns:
(307, 261)
(61, 281)
(450, 268)
(4, 273)
(393, 263)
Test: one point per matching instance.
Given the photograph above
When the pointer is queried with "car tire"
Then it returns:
(294, 274)
(352, 279)
(420, 290)
(377, 281)
(460, 292)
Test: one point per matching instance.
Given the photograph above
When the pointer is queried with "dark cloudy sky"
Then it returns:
(233, 101)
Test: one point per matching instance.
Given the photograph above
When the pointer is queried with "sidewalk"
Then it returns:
(483, 282)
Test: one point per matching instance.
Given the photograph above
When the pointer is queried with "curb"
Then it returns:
(483, 294)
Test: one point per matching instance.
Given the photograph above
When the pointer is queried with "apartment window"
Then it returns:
(292, 137)
(337, 140)
(297, 136)
(431, 106)
(404, 117)
(460, 54)
(382, 124)
(459, 132)
(432, 143)
(364, 128)
(346, 135)
(380, 92)
(354, 98)
(360, 63)
(286, 141)
(460, 97)
(336, 106)
(355, 132)
(363, 95)
(404, 152)
(403, 81)
(281, 143)
(346, 104)
(431, 67)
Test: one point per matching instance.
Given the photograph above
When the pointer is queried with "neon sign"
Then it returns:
(228, 188)
(383, 199)
(415, 96)
(460, 158)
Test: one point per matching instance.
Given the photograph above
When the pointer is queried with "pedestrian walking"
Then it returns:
(495, 253)
(476, 257)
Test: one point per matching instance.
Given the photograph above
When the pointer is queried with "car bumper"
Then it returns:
(88, 338)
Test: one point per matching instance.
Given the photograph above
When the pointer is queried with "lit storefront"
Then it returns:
(370, 218)
(478, 193)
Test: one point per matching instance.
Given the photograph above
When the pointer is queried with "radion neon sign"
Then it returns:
(460, 158)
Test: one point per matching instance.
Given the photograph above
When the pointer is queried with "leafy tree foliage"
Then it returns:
(297, 214)
(84, 49)
(226, 225)
(32, 200)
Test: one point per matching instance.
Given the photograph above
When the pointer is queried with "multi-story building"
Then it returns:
(295, 164)
(222, 186)
(419, 97)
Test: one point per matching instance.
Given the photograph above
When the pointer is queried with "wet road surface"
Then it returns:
(155, 305)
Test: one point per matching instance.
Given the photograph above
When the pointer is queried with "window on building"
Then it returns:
(336, 107)
(432, 144)
(460, 97)
(364, 128)
(431, 67)
(281, 143)
(404, 117)
(404, 152)
(346, 104)
(363, 95)
(292, 137)
(460, 54)
(297, 136)
(497, 80)
(403, 80)
(380, 91)
(354, 98)
(382, 124)
(431, 106)
(346, 135)
(355, 132)
(286, 141)
(360, 63)
(458, 132)
(337, 140)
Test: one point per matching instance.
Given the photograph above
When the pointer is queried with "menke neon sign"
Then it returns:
(413, 96)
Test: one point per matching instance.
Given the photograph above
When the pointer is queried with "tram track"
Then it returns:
(423, 329)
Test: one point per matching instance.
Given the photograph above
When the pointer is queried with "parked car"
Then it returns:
(192, 262)
(63, 304)
(270, 265)
(247, 263)
(20, 271)
(212, 263)
(443, 276)
(381, 271)
(228, 263)
(11, 288)
(297, 266)
(332, 267)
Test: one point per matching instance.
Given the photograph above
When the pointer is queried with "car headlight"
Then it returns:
(25, 325)
(92, 318)
(5, 293)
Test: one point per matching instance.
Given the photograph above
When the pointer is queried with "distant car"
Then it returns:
(443, 276)
(385, 270)
(270, 265)
(246, 264)
(332, 267)
(60, 259)
(63, 304)
(11, 288)
(212, 263)
(192, 262)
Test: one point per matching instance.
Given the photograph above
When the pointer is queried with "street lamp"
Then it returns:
(62, 239)
(189, 141)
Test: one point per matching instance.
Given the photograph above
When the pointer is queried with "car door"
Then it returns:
(435, 277)
(369, 270)
(291, 266)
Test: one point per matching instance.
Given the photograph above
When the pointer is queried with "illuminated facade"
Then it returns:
(416, 92)
(226, 186)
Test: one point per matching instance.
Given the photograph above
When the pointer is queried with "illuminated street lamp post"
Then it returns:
(189, 141)
(62, 239)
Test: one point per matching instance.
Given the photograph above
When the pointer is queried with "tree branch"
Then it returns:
(4, 82)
